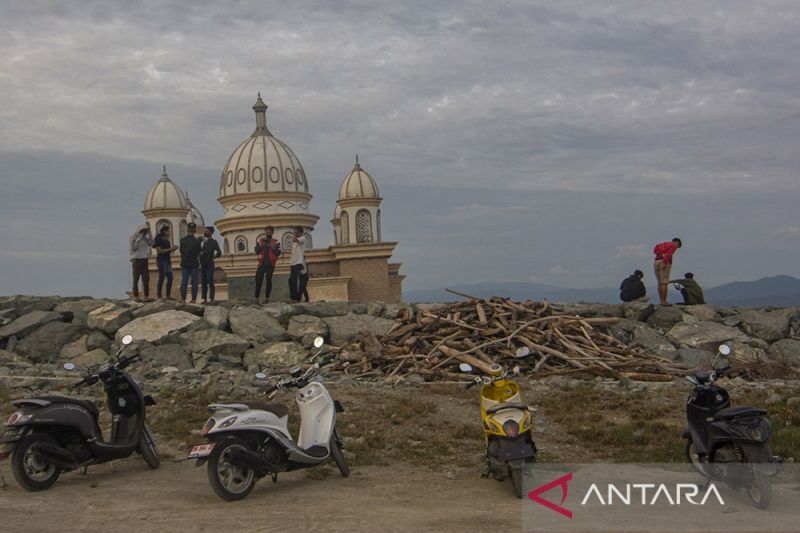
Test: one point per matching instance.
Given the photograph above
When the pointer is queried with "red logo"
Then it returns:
(562, 482)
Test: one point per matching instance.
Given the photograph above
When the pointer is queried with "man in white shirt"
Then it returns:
(298, 258)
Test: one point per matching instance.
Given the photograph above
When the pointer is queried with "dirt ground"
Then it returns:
(128, 496)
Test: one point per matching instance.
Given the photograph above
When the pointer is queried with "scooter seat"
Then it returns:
(502, 406)
(734, 412)
(89, 406)
(276, 409)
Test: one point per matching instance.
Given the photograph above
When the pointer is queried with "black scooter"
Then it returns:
(729, 444)
(51, 434)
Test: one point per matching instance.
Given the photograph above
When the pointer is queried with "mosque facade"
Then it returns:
(263, 184)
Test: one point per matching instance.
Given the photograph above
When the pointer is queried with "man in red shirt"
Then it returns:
(268, 250)
(663, 264)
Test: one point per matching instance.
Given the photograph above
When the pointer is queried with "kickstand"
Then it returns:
(275, 477)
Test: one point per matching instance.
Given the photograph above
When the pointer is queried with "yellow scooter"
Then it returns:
(507, 425)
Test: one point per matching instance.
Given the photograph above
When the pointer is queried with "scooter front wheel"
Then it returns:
(694, 458)
(516, 480)
(147, 448)
(229, 482)
(338, 456)
(760, 489)
(28, 468)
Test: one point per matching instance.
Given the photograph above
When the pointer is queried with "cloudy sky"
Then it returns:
(547, 141)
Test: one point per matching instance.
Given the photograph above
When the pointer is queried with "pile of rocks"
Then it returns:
(220, 347)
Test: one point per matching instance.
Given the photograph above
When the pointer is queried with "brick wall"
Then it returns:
(370, 278)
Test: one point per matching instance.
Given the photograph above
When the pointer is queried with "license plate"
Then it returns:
(201, 451)
(520, 451)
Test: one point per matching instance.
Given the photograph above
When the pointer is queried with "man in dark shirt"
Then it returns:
(632, 289)
(209, 250)
(164, 249)
(690, 289)
(268, 250)
(190, 261)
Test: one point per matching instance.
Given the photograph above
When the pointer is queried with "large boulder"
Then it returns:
(255, 325)
(665, 316)
(27, 323)
(73, 349)
(79, 309)
(703, 312)
(108, 318)
(350, 326)
(38, 304)
(742, 352)
(44, 344)
(652, 341)
(168, 355)
(786, 350)
(592, 310)
(93, 358)
(327, 309)
(151, 308)
(694, 357)
(156, 327)
(303, 325)
(769, 326)
(704, 335)
(97, 339)
(634, 310)
(275, 355)
(214, 341)
(216, 316)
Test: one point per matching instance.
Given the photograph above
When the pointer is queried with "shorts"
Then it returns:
(662, 270)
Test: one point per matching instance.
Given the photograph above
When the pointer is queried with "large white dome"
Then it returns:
(262, 163)
(165, 195)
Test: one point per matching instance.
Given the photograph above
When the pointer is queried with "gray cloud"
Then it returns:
(662, 116)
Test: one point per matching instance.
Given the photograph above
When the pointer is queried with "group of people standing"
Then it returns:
(268, 250)
(197, 263)
(632, 288)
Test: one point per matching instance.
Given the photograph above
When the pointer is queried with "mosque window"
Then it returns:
(363, 226)
(378, 224)
(345, 228)
(226, 246)
(286, 241)
(241, 245)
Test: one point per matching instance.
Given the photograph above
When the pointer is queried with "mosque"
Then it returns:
(264, 184)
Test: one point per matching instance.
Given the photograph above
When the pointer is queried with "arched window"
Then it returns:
(337, 232)
(226, 246)
(309, 242)
(379, 225)
(164, 222)
(286, 242)
(363, 226)
(183, 229)
(345, 228)
(241, 245)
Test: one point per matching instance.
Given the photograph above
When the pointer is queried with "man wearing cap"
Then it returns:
(209, 250)
(190, 261)
(692, 291)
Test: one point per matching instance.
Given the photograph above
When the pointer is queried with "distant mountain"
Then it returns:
(777, 291)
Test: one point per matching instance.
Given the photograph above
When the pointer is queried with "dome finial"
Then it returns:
(164, 176)
(261, 117)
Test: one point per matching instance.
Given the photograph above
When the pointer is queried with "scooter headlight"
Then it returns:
(17, 418)
(209, 425)
(511, 428)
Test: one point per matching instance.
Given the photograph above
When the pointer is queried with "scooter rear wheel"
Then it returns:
(147, 448)
(516, 480)
(28, 468)
(228, 481)
(338, 456)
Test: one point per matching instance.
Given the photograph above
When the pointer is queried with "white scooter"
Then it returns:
(249, 440)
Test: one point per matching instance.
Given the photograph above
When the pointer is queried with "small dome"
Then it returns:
(358, 184)
(165, 195)
(262, 163)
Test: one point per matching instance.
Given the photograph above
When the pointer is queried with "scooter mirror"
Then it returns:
(523, 351)
(724, 350)
(69, 366)
(127, 339)
(318, 342)
(261, 375)
(464, 367)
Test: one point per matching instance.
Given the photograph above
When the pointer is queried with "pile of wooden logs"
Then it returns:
(482, 333)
